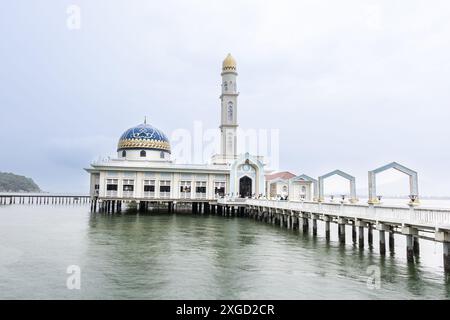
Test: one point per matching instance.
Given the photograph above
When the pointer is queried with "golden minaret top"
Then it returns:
(229, 64)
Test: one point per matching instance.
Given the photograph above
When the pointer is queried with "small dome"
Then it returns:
(229, 63)
(144, 136)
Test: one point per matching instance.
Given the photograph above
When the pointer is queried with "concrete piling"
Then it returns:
(382, 242)
(409, 248)
(327, 227)
(416, 247)
(446, 256)
(341, 229)
(391, 239)
(370, 234)
(354, 237)
(314, 225)
(361, 236)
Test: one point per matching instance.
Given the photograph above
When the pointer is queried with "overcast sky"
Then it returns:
(350, 84)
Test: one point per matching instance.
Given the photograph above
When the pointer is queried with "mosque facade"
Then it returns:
(143, 169)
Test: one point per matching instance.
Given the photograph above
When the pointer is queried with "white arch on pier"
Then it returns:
(259, 174)
(304, 177)
(413, 182)
(350, 178)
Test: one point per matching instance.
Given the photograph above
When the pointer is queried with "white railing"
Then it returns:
(128, 194)
(200, 195)
(185, 195)
(432, 216)
(111, 193)
(164, 194)
(149, 194)
(328, 208)
(419, 216)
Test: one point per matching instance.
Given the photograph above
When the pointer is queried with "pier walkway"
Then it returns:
(413, 222)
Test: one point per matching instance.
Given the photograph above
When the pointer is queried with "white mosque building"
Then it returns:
(144, 172)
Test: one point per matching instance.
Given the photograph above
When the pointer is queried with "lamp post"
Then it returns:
(414, 200)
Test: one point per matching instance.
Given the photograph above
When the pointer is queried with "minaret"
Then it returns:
(228, 120)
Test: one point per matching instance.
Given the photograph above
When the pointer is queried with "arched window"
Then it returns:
(161, 154)
(143, 153)
(124, 153)
(225, 86)
(230, 111)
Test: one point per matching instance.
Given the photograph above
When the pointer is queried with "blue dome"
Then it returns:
(144, 136)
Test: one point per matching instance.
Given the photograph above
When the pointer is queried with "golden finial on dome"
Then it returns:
(229, 63)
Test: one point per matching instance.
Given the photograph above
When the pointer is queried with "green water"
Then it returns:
(183, 256)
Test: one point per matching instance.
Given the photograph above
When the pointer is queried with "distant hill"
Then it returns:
(10, 182)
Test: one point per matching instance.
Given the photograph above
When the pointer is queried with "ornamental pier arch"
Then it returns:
(350, 178)
(413, 182)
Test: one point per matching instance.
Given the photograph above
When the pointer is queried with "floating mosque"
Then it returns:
(143, 170)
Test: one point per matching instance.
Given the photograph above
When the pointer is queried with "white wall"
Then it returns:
(153, 155)
(174, 177)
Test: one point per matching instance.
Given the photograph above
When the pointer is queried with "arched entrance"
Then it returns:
(252, 168)
(245, 187)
